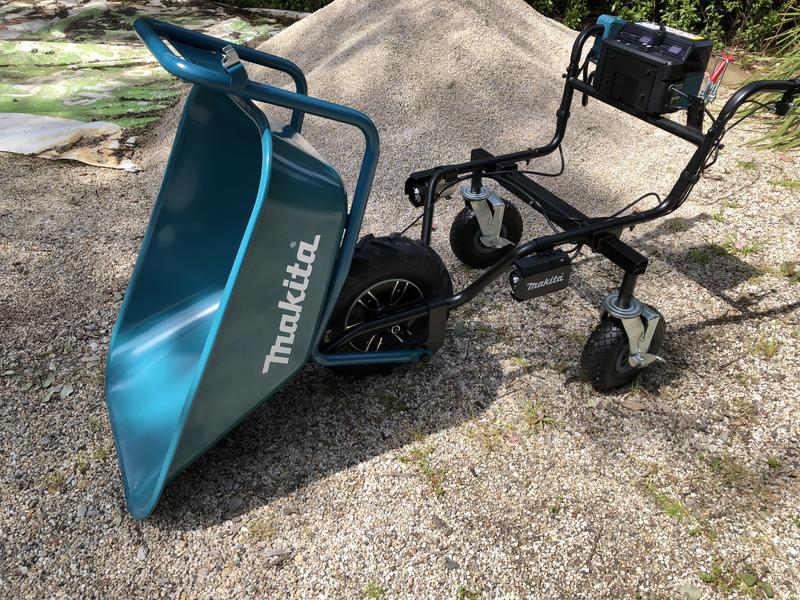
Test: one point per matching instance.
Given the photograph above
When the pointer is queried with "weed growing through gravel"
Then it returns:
(705, 529)
(773, 463)
(731, 203)
(82, 463)
(678, 224)
(718, 215)
(373, 590)
(100, 453)
(261, 529)
(790, 271)
(536, 416)
(789, 184)
(672, 507)
(521, 362)
(462, 593)
(703, 255)
(729, 470)
(767, 347)
(748, 165)
(392, 403)
(54, 482)
(728, 580)
(741, 247)
(556, 508)
(420, 458)
(489, 435)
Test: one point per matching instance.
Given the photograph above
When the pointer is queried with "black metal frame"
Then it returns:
(601, 234)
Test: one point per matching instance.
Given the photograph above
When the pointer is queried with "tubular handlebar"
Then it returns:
(150, 31)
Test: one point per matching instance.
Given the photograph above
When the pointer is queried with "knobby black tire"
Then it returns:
(378, 259)
(465, 237)
(606, 347)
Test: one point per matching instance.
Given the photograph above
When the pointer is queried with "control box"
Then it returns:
(649, 68)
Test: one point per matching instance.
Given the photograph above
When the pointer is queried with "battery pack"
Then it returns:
(540, 274)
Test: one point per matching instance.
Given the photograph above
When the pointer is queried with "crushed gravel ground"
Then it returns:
(493, 471)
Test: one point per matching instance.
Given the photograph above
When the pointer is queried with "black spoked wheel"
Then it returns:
(604, 361)
(381, 299)
(465, 237)
(387, 275)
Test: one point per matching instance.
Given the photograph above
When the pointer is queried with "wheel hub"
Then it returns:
(380, 300)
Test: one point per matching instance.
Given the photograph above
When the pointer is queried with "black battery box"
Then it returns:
(540, 274)
(645, 66)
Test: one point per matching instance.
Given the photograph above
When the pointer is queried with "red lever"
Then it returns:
(720, 68)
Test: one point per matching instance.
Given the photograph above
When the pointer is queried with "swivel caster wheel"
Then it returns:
(606, 359)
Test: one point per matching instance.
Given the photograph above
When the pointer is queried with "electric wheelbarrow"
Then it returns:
(252, 266)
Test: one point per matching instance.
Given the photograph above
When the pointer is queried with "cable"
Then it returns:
(718, 144)
(557, 174)
(634, 203)
(680, 92)
(414, 222)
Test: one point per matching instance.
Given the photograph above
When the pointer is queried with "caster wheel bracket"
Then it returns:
(640, 322)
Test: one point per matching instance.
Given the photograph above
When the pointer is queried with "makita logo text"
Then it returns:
(548, 281)
(293, 305)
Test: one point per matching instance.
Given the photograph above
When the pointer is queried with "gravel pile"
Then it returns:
(491, 472)
(441, 78)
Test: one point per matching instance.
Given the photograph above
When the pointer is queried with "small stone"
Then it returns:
(441, 525)
(235, 505)
(632, 404)
(459, 329)
(81, 511)
(44, 441)
(279, 555)
(48, 381)
(451, 564)
(278, 551)
(66, 391)
(26, 386)
(141, 554)
(690, 592)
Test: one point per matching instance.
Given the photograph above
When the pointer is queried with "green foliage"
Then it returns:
(575, 13)
(373, 590)
(297, 5)
(786, 46)
(747, 23)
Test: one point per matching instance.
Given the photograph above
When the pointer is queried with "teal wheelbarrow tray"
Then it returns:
(248, 245)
